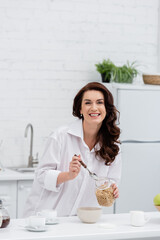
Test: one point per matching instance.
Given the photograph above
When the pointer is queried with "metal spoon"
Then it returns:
(93, 175)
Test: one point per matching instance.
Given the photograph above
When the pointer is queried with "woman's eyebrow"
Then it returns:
(96, 100)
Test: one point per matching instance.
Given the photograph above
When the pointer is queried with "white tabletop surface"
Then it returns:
(70, 228)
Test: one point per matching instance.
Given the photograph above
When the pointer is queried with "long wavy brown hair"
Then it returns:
(109, 132)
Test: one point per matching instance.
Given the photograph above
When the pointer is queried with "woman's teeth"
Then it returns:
(94, 114)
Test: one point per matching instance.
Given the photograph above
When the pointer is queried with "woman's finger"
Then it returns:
(116, 193)
(75, 162)
(76, 159)
(75, 167)
(115, 190)
(114, 186)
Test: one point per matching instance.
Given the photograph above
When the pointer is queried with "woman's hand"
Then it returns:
(74, 167)
(115, 190)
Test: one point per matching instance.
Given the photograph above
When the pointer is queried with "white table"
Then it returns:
(70, 228)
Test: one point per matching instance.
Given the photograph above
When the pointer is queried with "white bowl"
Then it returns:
(89, 214)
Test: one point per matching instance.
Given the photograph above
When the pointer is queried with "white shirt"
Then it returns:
(68, 196)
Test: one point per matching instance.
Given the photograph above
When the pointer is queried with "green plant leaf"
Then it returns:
(121, 74)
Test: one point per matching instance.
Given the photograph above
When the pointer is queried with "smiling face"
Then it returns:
(93, 107)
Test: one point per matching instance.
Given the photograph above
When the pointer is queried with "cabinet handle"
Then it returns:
(22, 187)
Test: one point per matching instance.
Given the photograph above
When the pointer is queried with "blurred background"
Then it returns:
(48, 51)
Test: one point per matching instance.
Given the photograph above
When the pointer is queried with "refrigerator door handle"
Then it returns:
(137, 141)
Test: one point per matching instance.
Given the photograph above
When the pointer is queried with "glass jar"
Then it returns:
(104, 192)
(5, 218)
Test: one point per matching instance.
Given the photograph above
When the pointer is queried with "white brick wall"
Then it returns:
(47, 52)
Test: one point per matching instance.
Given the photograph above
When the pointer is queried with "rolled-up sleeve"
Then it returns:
(47, 172)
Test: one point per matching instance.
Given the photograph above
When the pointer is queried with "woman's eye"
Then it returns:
(87, 103)
(100, 103)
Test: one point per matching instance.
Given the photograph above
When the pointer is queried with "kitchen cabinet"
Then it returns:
(8, 193)
(14, 190)
(140, 148)
(14, 195)
(24, 188)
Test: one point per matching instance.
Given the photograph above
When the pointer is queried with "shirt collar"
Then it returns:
(76, 129)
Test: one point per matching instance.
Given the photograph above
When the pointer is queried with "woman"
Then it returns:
(60, 181)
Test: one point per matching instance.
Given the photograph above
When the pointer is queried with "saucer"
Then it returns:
(51, 222)
(35, 229)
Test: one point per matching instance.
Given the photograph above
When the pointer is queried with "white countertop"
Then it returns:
(70, 228)
(8, 175)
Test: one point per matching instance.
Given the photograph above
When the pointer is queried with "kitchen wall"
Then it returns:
(48, 50)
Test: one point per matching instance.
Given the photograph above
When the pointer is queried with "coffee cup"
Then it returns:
(50, 215)
(36, 221)
(138, 218)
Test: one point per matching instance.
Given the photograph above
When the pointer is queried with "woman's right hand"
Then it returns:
(74, 167)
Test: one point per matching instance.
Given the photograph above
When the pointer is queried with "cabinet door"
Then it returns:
(139, 114)
(24, 188)
(140, 177)
(8, 193)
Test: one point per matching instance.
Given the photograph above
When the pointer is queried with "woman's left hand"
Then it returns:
(115, 190)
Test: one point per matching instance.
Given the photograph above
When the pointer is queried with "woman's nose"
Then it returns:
(94, 107)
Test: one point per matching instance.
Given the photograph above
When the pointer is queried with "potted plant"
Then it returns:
(106, 69)
(126, 73)
(120, 74)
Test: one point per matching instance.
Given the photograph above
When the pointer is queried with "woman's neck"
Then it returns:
(90, 134)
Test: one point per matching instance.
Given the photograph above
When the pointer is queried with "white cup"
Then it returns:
(36, 221)
(138, 218)
(50, 215)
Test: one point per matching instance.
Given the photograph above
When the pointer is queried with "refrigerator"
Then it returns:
(140, 145)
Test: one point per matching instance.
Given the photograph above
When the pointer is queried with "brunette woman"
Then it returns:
(61, 182)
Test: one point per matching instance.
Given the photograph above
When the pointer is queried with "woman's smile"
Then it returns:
(94, 115)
